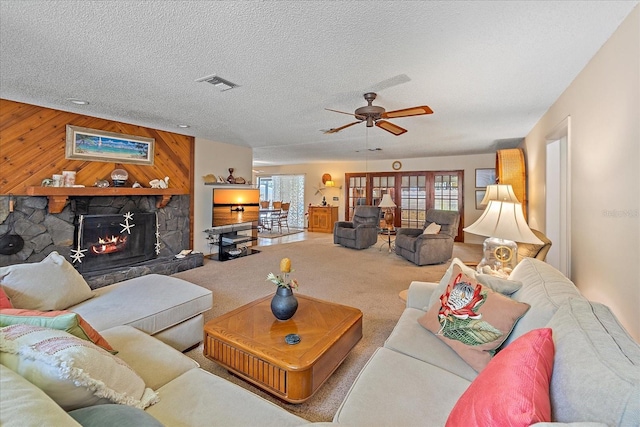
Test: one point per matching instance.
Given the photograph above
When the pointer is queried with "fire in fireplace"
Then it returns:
(106, 242)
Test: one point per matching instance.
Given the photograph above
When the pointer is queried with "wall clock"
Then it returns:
(396, 165)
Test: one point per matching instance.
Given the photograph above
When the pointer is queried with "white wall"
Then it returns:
(314, 171)
(604, 104)
(214, 158)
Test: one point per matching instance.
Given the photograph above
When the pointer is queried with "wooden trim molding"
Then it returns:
(58, 195)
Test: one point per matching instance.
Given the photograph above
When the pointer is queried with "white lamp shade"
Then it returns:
(503, 220)
(329, 184)
(386, 202)
(502, 192)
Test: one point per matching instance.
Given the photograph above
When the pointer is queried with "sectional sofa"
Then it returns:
(564, 352)
(417, 379)
(147, 321)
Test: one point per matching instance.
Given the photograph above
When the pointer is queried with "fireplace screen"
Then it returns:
(105, 242)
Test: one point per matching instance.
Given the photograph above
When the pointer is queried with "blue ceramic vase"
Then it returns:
(284, 304)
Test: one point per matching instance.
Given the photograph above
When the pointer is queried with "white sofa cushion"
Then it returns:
(421, 394)
(199, 398)
(410, 338)
(150, 303)
(25, 405)
(596, 371)
(155, 362)
(544, 289)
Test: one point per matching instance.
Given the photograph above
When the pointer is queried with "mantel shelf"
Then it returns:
(58, 195)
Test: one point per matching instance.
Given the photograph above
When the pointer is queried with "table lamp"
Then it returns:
(502, 192)
(387, 204)
(504, 225)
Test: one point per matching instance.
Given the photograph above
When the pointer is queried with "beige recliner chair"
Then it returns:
(529, 250)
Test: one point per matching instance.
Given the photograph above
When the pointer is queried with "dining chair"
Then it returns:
(283, 217)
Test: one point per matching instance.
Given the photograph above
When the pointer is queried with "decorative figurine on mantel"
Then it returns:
(324, 201)
(230, 178)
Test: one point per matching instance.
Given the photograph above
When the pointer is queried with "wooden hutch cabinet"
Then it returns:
(322, 218)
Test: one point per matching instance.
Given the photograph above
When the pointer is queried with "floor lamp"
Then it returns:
(504, 225)
(387, 204)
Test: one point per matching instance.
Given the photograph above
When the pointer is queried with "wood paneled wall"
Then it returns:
(32, 148)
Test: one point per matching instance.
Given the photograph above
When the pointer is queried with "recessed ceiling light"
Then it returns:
(78, 101)
(218, 82)
(183, 126)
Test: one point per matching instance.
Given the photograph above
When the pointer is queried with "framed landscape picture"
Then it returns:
(100, 146)
(485, 177)
(479, 196)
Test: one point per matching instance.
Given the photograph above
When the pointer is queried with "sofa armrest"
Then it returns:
(419, 295)
(414, 232)
(343, 224)
(372, 226)
(434, 237)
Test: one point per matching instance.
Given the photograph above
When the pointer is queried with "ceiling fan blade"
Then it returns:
(406, 112)
(390, 127)
(334, 130)
(341, 112)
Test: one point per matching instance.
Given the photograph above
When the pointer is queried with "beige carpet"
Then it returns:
(370, 280)
(273, 234)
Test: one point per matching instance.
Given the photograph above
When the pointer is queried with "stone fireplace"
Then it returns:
(106, 242)
(44, 232)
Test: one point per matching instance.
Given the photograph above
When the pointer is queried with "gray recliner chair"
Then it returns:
(426, 249)
(360, 233)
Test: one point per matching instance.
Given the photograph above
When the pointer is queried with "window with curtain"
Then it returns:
(289, 188)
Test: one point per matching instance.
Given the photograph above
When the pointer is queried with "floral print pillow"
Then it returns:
(472, 319)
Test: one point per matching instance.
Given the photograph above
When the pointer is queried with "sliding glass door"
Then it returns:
(285, 188)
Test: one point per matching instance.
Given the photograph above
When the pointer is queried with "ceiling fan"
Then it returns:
(372, 114)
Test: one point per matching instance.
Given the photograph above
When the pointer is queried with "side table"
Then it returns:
(388, 232)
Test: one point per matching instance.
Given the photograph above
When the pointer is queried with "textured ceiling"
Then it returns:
(489, 70)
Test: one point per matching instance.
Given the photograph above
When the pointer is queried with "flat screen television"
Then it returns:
(235, 206)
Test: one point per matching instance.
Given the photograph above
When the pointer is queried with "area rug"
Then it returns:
(275, 234)
(369, 279)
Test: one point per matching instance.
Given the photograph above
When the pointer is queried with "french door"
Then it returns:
(413, 192)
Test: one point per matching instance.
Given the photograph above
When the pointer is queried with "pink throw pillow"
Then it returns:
(513, 390)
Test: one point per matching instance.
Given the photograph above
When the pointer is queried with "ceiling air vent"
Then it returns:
(218, 82)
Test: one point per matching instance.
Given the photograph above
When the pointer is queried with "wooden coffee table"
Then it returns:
(250, 342)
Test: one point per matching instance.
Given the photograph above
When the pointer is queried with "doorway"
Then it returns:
(557, 197)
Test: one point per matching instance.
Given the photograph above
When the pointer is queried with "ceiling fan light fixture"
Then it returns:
(373, 113)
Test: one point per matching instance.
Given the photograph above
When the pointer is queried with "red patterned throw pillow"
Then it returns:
(513, 390)
(472, 319)
(5, 302)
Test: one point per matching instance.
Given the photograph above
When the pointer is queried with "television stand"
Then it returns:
(230, 243)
